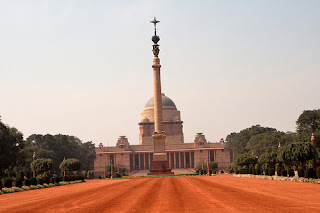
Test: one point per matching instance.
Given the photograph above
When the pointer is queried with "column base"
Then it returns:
(160, 168)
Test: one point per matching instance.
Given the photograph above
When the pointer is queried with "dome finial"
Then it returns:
(155, 21)
(155, 38)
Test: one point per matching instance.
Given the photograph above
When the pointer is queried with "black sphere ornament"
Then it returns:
(155, 39)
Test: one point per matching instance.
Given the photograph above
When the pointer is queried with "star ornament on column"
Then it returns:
(155, 21)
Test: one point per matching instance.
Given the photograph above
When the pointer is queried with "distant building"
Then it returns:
(179, 154)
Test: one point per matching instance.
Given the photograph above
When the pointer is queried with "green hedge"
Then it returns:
(27, 182)
(300, 172)
(279, 169)
(271, 171)
(40, 181)
(19, 182)
(257, 171)
(284, 172)
(310, 173)
(291, 172)
(52, 179)
(33, 181)
(46, 179)
(58, 179)
(7, 182)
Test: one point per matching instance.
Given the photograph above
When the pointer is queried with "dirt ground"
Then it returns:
(222, 193)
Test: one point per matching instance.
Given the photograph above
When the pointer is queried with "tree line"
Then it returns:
(266, 147)
(16, 153)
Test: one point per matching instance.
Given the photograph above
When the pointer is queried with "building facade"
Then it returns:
(179, 154)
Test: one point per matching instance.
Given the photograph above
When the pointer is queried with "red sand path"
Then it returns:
(221, 193)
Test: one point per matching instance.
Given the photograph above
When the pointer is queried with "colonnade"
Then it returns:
(142, 161)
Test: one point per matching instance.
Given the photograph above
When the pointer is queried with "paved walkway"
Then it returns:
(221, 193)
(176, 172)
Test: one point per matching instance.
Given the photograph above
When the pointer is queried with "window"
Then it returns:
(200, 151)
(100, 155)
(121, 154)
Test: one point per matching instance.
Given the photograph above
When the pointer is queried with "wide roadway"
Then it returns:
(222, 193)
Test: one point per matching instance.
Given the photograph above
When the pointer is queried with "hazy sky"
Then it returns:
(83, 68)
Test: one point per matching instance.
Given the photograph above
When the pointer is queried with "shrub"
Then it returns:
(90, 174)
(99, 176)
(310, 173)
(40, 181)
(258, 171)
(16, 189)
(52, 179)
(300, 172)
(26, 188)
(27, 182)
(291, 172)
(237, 171)
(230, 169)
(117, 175)
(84, 174)
(279, 170)
(222, 171)
(0, 184)
(271, 171)
(284, 172)
(246, 171)
(7, 183)
(46, 180)
(57, 179)
(318, 172)
(33, 181)
(19, 182)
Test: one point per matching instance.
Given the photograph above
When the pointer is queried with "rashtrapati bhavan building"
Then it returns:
(180, 155)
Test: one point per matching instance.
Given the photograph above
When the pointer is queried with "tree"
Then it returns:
(309, 121)
(63, 146)
(11, 145)
(41, 165)
(122, 169)
(71, 164)
(237, 142)
(269, 158)
(212, 166)
(269, 142)
(297, 152)
(245, 160)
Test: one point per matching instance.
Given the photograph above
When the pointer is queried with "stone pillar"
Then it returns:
(313, 141)
(111, 176)
(179, 160)
(184, 160)
(134, 161)
(139, 161)
(160, 163)
(34, 157)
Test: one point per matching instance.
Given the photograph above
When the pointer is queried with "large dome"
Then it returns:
(166, 102)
